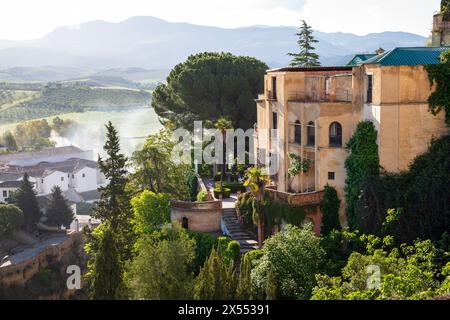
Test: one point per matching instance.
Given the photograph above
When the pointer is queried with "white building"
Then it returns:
(7, 189)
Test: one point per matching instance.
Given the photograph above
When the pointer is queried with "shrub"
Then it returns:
(205, 242)
(192, 183)
(330, 211)
(234, 250)
(202, 196)
(11, 218)
(225, 192)
(233, 186)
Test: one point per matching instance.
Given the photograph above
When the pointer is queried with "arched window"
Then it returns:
(335, 134)
(311, 132)
(185, 223)
(298, 132)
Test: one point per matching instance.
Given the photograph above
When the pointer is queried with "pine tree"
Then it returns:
(107, 269)
(244, 289)
(306, 57)
(27, 202)
(216, 280)
(114, 205)
(59, 212)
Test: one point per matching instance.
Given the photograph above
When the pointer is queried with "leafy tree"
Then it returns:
(271, 289)
(445, 9)
(105, 270)
(306, 57)
(439, 75)
(295, 256)
(161, 270)
(27, 202)
(216, 280)
(208, 86)
(58, 211)
(151, 210)
(11, 218)
(33, 134)
(362, 163)
(330, 211)
(10, 141)
(155, 169)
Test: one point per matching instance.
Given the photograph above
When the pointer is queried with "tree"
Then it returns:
(58, 211)
(223, 125)
(161, 270)
(105, 270)
(295, 257)
(439, 76)
(11, 218)
(155, 169)
(27, 202)
(330, 211)
(208, 86)
(362, 163)
(216, 280)
(306, 57)
(445, 9)
(10, 141)
(256, 180)
(151, 210)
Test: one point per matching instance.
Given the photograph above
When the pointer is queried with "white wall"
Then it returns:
(84, 180)
(8, 191)
(56, 178)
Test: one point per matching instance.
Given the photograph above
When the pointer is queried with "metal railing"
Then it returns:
(300, 199)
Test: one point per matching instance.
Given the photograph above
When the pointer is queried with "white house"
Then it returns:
(7, 188)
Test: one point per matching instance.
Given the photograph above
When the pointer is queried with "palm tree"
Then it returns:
(256, 180)
(223, 124)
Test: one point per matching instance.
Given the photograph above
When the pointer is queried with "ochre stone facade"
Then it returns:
(197, 216)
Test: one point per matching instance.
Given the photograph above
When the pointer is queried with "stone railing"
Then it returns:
(300, 199)
(195, 206)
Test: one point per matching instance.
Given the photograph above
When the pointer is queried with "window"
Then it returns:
(83, 175)
(42, 180)
(73, 176)
(5, 194)
(274, 88)
(335, 134)
(369, 88)
(185, 223)
(311, 132)
(274, 120)
(298, 132)
(62, 178)
(331, 176)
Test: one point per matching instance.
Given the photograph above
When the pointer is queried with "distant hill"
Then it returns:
(151, 43)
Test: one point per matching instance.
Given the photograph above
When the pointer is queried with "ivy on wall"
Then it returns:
(439, 74)
(330, 211)
(362, 162)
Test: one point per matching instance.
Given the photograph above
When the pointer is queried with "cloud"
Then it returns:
(295, 5)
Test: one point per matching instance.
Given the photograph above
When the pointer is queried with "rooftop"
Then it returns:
(30, 158)
(10, 184)
(360, 58)
(408, 56)
(311, 69)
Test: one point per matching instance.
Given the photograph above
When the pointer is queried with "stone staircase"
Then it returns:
(237, 232)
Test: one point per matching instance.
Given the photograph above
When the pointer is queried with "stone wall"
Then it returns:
(197, 216)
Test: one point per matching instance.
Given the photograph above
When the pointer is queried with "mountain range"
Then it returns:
(152, 43)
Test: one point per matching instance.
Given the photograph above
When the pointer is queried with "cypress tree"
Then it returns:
(306, 57)
(27, 202)
(59, 212)
(244, 289)
(330, 211)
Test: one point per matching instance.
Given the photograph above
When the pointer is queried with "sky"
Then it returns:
(31, 19)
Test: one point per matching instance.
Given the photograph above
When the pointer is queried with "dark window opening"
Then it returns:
(335, 135)
(5, 194)
(274, 120)
(274, 88)
(298, 132)
(331, 176)
(311, 132)
(185, 223)
(369, 88)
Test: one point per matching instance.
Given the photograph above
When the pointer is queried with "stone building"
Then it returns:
(316, 110)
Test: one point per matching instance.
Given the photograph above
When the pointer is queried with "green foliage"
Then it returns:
(9, 141)
(224, 192)
(406, 273)
(202, 196)
(330, 211)
(233, 186)
(33, 134)
(295, 256)
(278, 212)
(419, 198)
(204, 244)
(271, 289)
(216, 280)
(192, 183)
(439, 75)
(61, 126)
(84, 208)
(244, 207)
(11, 218)
(27, 202)
(208, 86)
(362, 163)
(445, 9)
(150, 210)
(161, 270)
(155, 169)
(59, 212)
(306, 57)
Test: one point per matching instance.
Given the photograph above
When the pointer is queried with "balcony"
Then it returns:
(320, 96)
(298, 199)
(272, 95)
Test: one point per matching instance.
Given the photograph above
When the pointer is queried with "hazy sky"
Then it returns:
(29, 19)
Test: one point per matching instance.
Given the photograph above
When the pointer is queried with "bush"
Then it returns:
(202, 196)
(217, 176)
(244, 207)
(84, 208)
(234, 250)
(233, 186)
(330, 211)
(228, 250)
(225, 192)
(11, 218)
(205, 242)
